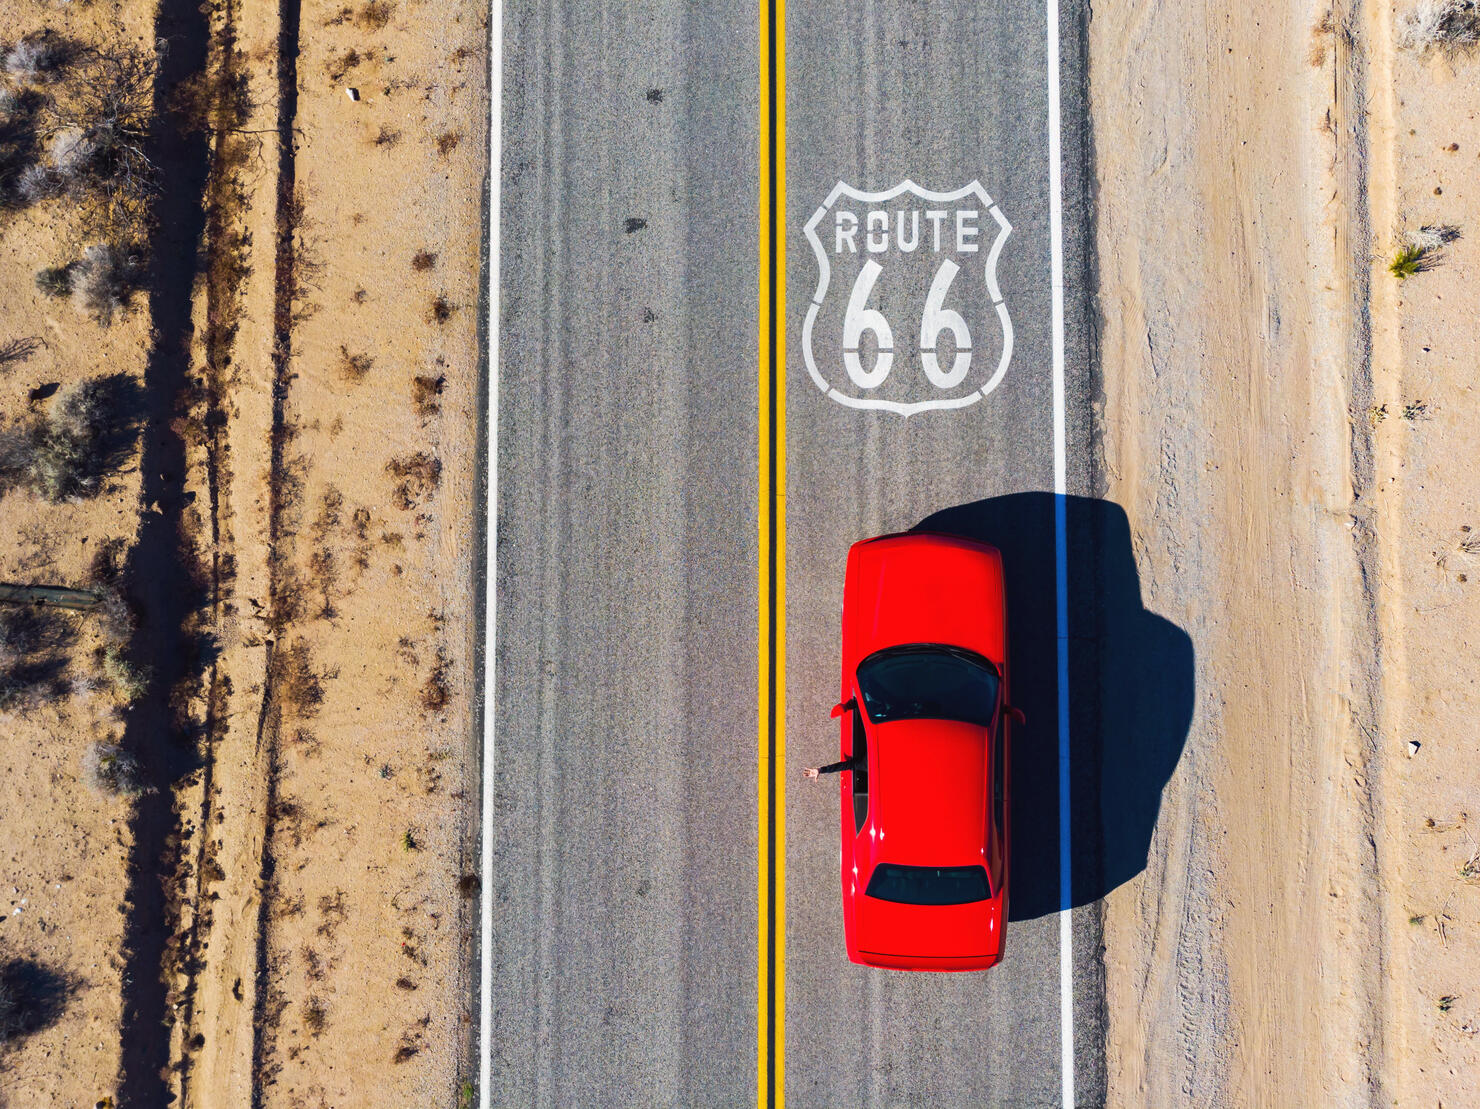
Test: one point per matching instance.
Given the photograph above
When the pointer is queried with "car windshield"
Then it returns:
(928, 885)
(928, 682)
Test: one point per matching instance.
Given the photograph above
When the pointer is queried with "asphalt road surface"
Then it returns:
(626, 779)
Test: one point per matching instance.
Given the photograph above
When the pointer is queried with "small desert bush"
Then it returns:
(302, 687)
(1448, 26)
(55, 281)
(65, 454)
(1432, 236)
(108, 768)
(418, 476)
(375, 15)
(425, 394)
(315, 1016)
(441, 310)
(115, 618)
(103, 280)
(1421, 250)
(354, 367)
(36, 57)
(130, 680)
(1410, 260)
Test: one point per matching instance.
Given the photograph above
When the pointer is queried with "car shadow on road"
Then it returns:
(1130, 684)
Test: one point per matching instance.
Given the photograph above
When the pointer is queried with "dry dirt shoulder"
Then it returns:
(1277, 415)
(344, 775)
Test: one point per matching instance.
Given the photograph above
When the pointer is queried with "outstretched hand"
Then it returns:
(810, 772)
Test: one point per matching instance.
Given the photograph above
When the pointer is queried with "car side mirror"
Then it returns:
(844, 706)
(1016, 715)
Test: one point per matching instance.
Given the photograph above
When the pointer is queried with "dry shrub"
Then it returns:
(436, 693)
(130, 680)
(103, 280)
(441, 310)
(423, 260)
(88, 137)
(338, 67)
(1431, 237)
(447, 142)
(65, 454)
(40, 56)
(418, 476)
(331, 509)
(354, 367)
(109, 769)
(315, 1016)
(375, 15)
(425, 391)
(1451, 27)
(302, 688)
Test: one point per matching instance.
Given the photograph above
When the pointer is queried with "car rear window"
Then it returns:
(929, 885)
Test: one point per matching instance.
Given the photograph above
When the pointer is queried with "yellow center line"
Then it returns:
(771, 939)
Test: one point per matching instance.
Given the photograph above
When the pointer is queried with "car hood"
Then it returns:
(926, 589)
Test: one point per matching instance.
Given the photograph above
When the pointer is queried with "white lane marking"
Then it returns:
(1061, 560)
(490, 537)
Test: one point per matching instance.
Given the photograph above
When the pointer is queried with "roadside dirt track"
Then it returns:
(1259, 428)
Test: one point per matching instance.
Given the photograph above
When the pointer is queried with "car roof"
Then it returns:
(930, 792)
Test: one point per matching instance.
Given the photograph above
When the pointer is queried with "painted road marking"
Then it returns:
(771, 671)
(907, 233)
(490, 544)
(1061, 559)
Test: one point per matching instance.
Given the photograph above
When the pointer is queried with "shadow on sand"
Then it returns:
(1131, 689)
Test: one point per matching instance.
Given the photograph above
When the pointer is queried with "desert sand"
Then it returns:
(1285, 424)
(301, 912)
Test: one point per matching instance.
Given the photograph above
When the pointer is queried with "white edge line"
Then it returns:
(490, 536)
(1061, 559)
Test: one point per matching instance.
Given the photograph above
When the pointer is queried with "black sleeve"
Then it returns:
(836, 767)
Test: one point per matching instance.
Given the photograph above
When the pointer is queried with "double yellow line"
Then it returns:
(771, 947)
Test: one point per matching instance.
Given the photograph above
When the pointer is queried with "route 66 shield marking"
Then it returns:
(913, 276)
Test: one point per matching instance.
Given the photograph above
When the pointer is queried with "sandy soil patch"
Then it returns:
(1428, 142)
(1281, 420)
(336, 960)
(286, 915)
(64, 844)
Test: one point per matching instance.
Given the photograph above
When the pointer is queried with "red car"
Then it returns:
(924, 733)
